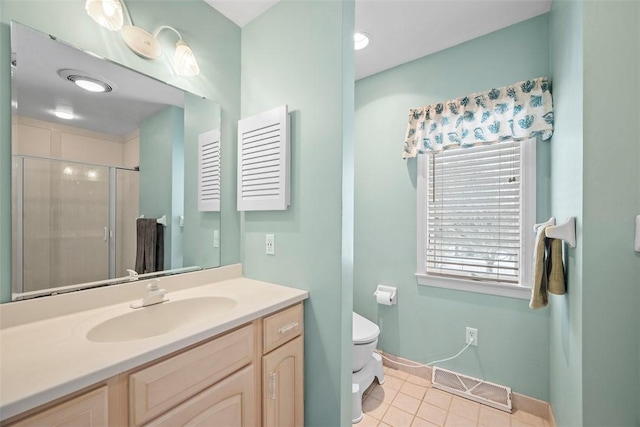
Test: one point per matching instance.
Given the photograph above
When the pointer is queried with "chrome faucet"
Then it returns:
(154, 295)
(133, 275)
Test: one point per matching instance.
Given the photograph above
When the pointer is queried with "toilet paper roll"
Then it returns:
(383, 298)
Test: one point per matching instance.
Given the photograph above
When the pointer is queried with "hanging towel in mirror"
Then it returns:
(150, 245)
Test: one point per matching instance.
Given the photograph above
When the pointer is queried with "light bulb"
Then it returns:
(64, 115)
(90, 85)
(361, 40)
(107, 13)
(185, 61)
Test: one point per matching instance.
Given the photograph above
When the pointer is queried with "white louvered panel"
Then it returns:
(209, 171)
(263, 161)
(473, 213)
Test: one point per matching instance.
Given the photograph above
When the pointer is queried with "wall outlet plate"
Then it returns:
(472, 333)
(270, 244)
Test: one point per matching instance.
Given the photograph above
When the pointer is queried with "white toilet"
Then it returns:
(366, 364)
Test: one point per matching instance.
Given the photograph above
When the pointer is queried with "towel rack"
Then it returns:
(565, 231)
(551, 221)
(162, 220)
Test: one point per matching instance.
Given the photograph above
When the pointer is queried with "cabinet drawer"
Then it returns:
(230, 403)
(282, 327)
(90, 410)
(162, 386)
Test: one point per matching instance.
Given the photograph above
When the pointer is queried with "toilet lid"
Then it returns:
(364, 331)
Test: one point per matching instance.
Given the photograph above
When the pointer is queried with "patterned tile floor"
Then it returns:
(407, 400)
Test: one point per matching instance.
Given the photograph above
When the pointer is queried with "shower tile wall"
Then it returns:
(52, 192)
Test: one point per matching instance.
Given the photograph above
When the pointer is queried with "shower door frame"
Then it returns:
(110, 233)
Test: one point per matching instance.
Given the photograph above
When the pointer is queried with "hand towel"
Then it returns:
(539, 297)
(556, 270)
(149, 252)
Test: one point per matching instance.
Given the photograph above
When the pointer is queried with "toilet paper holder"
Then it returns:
(392, 291)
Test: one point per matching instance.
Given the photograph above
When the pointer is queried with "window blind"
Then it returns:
(473, 213)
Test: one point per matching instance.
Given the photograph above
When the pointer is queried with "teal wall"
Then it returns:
(595, 343)
(214, 39)
(201, 115)
(299, 53)
(429, 323)
(610, 280)
(566, 324)
(162, 176)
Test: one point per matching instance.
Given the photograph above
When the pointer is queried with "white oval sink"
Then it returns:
(159, 319)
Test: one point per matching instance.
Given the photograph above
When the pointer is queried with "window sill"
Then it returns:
(510, 291)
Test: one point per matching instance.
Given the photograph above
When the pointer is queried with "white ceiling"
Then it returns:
(404, 30)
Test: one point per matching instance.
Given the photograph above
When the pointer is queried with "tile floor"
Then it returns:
(407, 400)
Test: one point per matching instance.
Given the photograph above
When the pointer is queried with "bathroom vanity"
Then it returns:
(231, 353)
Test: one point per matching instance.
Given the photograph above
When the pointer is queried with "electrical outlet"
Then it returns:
(270, 244)
(472, 334)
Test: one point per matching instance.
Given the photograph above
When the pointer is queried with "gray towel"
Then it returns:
(556, 268)
(150, 246)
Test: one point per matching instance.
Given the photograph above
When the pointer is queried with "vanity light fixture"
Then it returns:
(109, 14)
(361, 40)
(184, 61)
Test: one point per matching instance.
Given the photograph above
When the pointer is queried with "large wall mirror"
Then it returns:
(95, 147)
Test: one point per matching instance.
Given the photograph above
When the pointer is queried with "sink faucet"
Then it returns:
(154, 295)
(133, 275)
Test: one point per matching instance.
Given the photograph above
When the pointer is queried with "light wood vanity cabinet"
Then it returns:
(89, 409)
(282, 369)
(164, 385)
(250, 376)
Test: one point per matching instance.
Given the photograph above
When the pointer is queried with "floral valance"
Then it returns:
(517, 112)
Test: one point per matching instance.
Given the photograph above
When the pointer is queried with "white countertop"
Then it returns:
(47, 358)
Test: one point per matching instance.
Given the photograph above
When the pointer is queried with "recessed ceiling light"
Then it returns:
(64, 115)
(361, 40)
(89, 83)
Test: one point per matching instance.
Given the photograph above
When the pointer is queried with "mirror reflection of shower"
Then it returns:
(73, 220)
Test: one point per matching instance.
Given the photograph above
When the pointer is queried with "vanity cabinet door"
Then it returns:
(229, 403)
(87, 410)
(163, 386)
(282, 393)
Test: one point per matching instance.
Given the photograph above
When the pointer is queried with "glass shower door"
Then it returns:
(65, 223)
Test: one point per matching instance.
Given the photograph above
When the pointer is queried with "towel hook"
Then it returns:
(551, 221)
(162, 220)
(565, 231)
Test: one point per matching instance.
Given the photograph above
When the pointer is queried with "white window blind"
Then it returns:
(473, 206)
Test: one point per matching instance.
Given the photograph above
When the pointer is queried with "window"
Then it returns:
(476, 210)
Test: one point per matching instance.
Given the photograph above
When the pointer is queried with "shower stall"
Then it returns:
(72, 222)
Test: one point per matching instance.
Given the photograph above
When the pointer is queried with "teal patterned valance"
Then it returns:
(516, 112)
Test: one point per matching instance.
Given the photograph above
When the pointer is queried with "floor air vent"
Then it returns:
(481, 391)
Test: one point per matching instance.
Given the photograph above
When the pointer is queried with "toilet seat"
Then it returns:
(364, 331)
